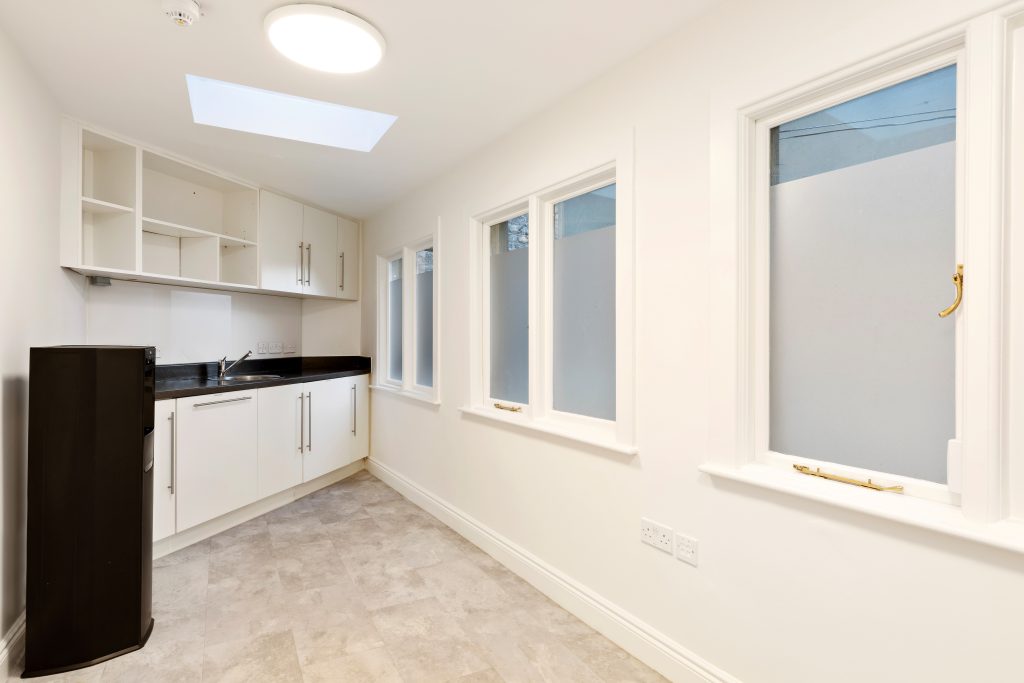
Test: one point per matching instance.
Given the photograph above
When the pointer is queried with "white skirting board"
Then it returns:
(12, 649)
(655, 649)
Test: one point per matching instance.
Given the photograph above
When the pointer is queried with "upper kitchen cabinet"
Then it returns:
(320, 234)
(301, 249)
(283, 257)
(348, 259)
(133, 213)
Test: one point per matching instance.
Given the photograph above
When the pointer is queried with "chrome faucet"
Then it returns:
(222, 371)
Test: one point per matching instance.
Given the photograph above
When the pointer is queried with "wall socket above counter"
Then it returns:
(263, 348)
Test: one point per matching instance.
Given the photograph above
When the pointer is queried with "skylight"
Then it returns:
(265, 112)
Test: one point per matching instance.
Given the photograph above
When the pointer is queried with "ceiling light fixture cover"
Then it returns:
(324, 38)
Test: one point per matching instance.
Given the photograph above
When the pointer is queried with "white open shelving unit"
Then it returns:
(129, 212)
(197, 225)
(161, 219)
(108, 200)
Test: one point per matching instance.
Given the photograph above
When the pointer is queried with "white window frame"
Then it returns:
(978, 47)
(408, 386)
(538, 414)
(761, 268)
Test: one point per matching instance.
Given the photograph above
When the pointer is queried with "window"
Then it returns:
(395, 320)
(408, 321)
(555, 324)
(862, 245)
(584, 304)
(858, 197)
(509, 294)
(425, 317)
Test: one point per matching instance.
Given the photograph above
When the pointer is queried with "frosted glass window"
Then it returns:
(863, 223)
(584, 304)
(425, 317)
(509, 296)
(395, 319)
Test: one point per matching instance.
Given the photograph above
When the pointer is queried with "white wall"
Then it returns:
(41, 303)
(191, 325)
(330, 328)
(787, 591)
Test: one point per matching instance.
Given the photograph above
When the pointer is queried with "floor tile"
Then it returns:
(310, 565)
(355, 583)
(609, 662)
(368, 666)
(264, 658)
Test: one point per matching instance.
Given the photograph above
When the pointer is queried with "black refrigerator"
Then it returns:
(90, 505)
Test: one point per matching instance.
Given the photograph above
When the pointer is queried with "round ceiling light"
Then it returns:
(324, 38)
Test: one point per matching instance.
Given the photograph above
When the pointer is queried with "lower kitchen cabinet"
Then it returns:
(163, 469)
(216, 455)
(282, 437)
(327, 412)
(360, 438)
(308, 430)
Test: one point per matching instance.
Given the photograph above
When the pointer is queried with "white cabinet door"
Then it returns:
(320, 234)
(320, 231)
(327, 413)
(281, 437)
(348, 259)
(358, 442)
(163, 469)
(280, 251)
(217, 455)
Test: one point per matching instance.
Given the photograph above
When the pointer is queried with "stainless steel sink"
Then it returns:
(249, 378)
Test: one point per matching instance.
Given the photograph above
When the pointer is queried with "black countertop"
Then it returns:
(195, 379)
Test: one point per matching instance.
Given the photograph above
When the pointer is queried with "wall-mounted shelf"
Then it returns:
(91, 205)
(132, 213)
(174, 230)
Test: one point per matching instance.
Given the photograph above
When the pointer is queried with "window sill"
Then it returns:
(939, 517)
(417, 396)
(523, 422)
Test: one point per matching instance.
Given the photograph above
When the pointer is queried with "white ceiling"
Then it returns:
(457, 73)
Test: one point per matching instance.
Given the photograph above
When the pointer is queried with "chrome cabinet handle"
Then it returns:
(227, 400)
(302, 422)
(174, 449)
(299, 280)
(353, 410)
(958, 282)
(309, 261)
(341, 284)
(309, 416)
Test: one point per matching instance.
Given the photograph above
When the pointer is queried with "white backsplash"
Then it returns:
(191, 325)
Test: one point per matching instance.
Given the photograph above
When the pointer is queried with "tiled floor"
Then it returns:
(355, 583)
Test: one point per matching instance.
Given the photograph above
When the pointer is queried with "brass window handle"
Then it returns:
(511, 409)
(868, 484)
(958, 281)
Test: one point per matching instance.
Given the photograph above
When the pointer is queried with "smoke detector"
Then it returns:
(183, 12)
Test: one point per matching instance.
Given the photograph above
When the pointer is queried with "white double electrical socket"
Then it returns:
(657, 535)
(261, 347)
(275, 347)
